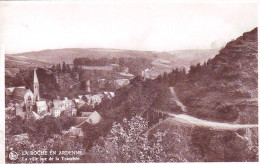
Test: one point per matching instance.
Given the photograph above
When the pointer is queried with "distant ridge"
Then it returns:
(54, 56)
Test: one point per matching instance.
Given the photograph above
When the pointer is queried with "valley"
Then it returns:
(202, 102)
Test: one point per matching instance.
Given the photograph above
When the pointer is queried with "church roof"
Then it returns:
(20, 92)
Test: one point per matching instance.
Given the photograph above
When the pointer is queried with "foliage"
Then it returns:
(39, 129)
(135, 65)
(230, 77)
(125, 143)
(58, 68)
(93, 132)
(15, 126)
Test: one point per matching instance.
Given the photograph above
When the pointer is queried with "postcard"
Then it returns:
(129, 81)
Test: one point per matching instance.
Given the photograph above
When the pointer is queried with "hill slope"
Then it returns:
(225, 88)
(194, 143)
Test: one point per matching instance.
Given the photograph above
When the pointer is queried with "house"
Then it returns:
(10, 90)
(112, 94)
(109, 94)
(50, 104)
(80, 120)
(127, 75)
(55, 112)
(93, 100)
(8, 94)
(41, 106)
(96, 99)
(76, 132)
(102, 83)
(76, 100)
(145, 74)
(121, 82)
(70, 112)
(94, 118)
(80, 103)
(58, 104)
(88, 99)
(88, 96)
(37, 116)
(44, 113)
(68, 103)
(73, 111)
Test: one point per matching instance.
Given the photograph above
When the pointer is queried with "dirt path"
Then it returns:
(200, 122)
(175, 98)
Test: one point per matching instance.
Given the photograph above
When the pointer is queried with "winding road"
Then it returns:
(210, 124)
(203, 123)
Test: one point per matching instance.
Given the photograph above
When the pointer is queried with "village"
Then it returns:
(29, 104)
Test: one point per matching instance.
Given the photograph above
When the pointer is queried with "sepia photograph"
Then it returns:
(129, 81)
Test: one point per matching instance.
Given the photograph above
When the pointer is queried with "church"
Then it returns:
(21, 95)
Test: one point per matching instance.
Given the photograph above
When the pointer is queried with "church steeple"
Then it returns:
(36, 86)
(35, 79)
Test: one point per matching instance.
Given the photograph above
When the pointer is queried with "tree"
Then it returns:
(66, 122)
(75, 67)
(125, 143)
(183, 71)
(68, 68)
(53, 68)
(15, 126)
(47, 127)
(159, 78)
(192, 70)
(64, 68)
(58, 68)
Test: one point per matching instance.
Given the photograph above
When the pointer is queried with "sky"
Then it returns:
(143, 25)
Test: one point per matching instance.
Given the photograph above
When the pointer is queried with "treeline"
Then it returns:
(41, 129)
(135, 65)
(64, 68)
(207, 90)
(94, 62)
